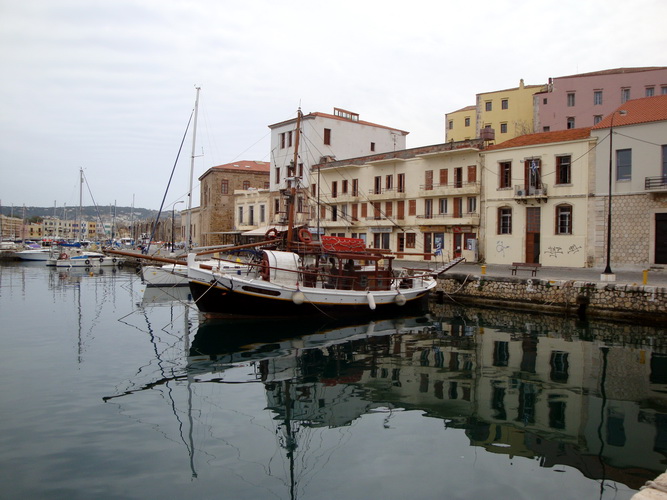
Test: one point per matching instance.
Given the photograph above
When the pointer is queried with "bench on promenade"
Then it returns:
(533, 267)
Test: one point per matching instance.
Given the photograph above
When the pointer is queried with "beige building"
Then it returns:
(419, 203)
(535, 191)
(509, 113)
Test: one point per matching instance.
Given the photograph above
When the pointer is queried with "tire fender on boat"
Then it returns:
(371, 300)
(101, 259)
(87, 262)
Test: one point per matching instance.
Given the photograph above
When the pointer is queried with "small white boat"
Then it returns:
(34, 254)
(169, 275)
(86, 259)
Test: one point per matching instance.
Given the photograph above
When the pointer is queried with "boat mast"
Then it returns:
(188, 218)
(80, 204)
(293, 182)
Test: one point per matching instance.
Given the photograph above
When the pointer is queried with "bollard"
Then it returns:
(645, 277)
(483, 269)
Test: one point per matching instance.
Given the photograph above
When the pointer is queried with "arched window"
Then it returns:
(564, 219)
(504, 220)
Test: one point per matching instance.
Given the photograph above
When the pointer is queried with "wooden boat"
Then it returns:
(298, 274)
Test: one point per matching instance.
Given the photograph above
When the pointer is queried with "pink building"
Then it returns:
(584, 100)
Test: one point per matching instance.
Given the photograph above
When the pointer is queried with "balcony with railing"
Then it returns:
(656, 184)
(537, 192)
(465, 219)
(385, 194)
(450, 188)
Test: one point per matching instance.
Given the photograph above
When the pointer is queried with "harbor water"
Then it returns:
(112, 390)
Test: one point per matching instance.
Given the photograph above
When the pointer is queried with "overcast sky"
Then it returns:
(108, 86)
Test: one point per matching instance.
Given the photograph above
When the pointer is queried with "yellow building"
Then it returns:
(508, 112)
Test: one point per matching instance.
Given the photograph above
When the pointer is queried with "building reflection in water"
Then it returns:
(593, 397)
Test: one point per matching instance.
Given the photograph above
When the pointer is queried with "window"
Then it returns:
(401, 183)
(246, 185)
(505, 104)
(282, 140)
(428, 208)
(412, 207)
(410, 240)
(262, 213)
(442, 205)
(625, 95)
(372, 146)
(377, 210)
(559, 366)
(334, 189)
(377, 189)
(343, 188)
(472, 204)
(240, 215)
(400, 209)
(564, 219)
(443, 176)
(663, 90)
(388, 209)
(504, 220)
(389, 182)
(428, 180)
(313, 189)
(467, 121)
(623, 164)
(570, 99)
(327, 137)
(450, 125)
(277, 175)
(355, 212)
(505, 174)
(267, 184)
(472, 174)
(251, 215)
(334, 213)
(224, 186)
(355, 187)
(597, 119)
(289, 139)
(488, 106)
(458, 177)
(570, 122)
(503, 128)
(597, 97)
(650, 91)
(563, 169)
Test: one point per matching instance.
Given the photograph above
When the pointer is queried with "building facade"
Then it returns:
(218, 185)
(583, 100)
(535, 192)
(419, 203)
(636, 155)
(509, 113)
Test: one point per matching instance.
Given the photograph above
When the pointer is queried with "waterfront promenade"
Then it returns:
(656, 277)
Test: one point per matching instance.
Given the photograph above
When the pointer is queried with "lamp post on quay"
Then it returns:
(607, 274)
(173, 240)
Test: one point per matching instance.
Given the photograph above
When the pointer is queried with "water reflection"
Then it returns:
(526, 386)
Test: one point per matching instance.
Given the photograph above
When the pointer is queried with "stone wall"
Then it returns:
(585, 299)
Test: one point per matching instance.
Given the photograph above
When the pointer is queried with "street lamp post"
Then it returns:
(172, 223)
(607, 274)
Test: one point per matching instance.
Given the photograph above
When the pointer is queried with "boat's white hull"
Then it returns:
(34, 255)
(247, 295)
(166, 276)
(88, 260)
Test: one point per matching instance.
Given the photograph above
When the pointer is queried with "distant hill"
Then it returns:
(89, 213)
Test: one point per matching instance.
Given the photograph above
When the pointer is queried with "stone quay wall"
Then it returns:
(582, 298)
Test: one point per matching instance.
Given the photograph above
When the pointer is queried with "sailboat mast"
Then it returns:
(80, 203)
(292, 197)
(188, 218)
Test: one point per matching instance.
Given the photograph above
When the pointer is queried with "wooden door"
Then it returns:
(532, 234)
